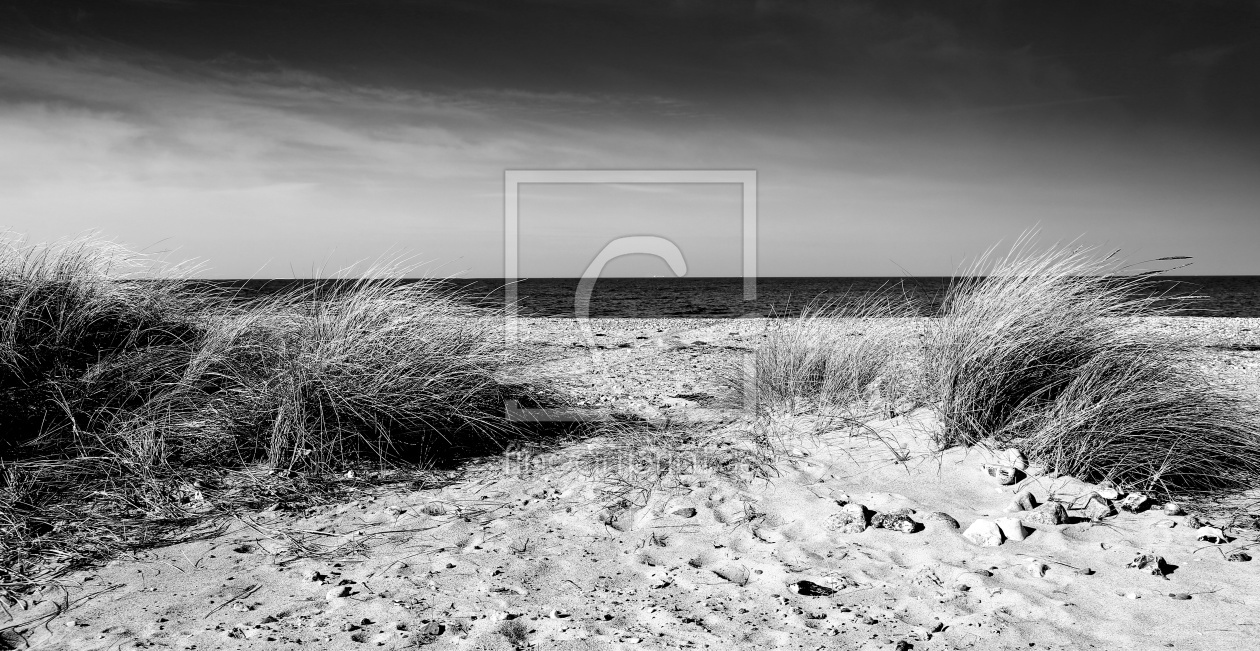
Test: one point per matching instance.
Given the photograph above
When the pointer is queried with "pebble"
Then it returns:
(1005, 475)
(1149, 563)
(1022, 502)
(434, 508)
(1238, 556)
(943, 518)
(1016, 459)
(1037, 568)
(1194, 522)
(1180, 596)
(984, 533)
(850, 519)
(314, 575)
(1135, 502)
(1012, 529)
(1085, 571)
(1173, 508)
(1167, 524)
(894, 521)
(1049, 513)
(811, 589)
(687, 512)
(1107, 490)
(337, 592)
(1098, 507)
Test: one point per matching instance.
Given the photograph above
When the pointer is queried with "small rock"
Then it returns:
(1005, 475)
(1150, 563)
(894, 521)
(1212, 535)
(985, 533)
(1167, 524)
(1051, 513)
(347, 627)
(434, 508)
(1179, 596)
(1036, 568)
(1022, 502)
(1098, 507)
(1173, 508)
(350, 474)
(1135, 502)
(1193, 522)
(944, 519)
(314, 575)
(687, 512)
(902, 645)
(868, 620)
(1085, 571)
(433, 628)
(850, 519)
(1238, 556)
(557, 614)
(1015, 459)
(338, 592)
(1012, 528)
(1108, 491)
(811, 589)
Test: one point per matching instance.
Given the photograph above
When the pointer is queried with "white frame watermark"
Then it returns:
(651, 245)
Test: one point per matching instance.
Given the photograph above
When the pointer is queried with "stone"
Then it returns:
(850, 519)
(1194, 522)
(1108, 491)
(338, 592)
(1022, 502)
(895, 521)
(1037, 568)
(686, 512)
(1150, 563)
(1135, 502)
(1098, 507)
(1015, 459)
(984, 533)
(1012, 528)
(1238, 556)
(434, 508)
(1212, 535)
(944, 519)
(1166, 524)
(811, 589)
(1005, 475)
(1173, 508)
(1051, 513)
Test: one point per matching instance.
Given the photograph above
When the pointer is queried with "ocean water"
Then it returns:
(1221, 296)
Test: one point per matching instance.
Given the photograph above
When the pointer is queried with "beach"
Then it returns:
(712, 530)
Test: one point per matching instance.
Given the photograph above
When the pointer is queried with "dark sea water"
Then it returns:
(1222, 296)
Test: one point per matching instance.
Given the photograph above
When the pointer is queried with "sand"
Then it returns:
(535, 551)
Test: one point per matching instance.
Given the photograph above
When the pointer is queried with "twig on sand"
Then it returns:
(244, 593)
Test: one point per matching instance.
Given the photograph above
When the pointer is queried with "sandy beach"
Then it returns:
(730, 543)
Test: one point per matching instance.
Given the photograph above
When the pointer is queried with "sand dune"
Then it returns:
(537, 552)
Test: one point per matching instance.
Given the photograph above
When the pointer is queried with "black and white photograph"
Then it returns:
(895, 325)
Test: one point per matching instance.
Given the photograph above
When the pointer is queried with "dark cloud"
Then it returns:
(1181, 61)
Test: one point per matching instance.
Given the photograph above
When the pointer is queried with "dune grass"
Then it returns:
(137, 403)
(1042, 349)
(832, 356)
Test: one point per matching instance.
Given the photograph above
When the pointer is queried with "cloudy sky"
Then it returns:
(278, 137)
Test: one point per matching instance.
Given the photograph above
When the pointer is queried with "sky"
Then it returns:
(282, 138)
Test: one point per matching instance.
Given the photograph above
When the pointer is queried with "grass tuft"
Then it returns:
(137, 403)
(1041, 349)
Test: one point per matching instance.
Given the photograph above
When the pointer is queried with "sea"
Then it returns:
(669, 297)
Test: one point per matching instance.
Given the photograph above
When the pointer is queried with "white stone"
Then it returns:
(1012, 528)
(984, 533)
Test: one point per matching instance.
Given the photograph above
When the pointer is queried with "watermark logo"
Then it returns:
(655, 245)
